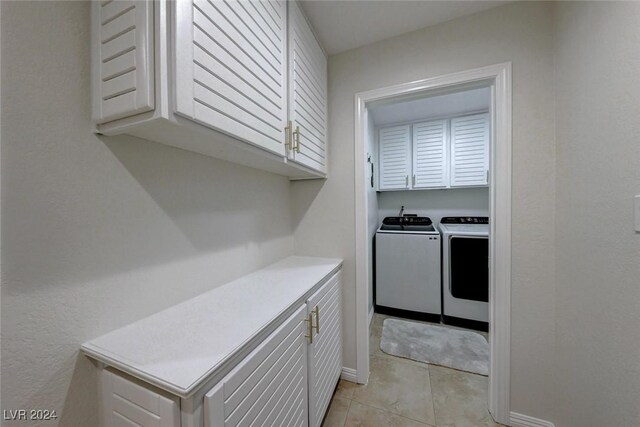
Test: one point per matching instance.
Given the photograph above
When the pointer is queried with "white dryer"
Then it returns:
(465, 271)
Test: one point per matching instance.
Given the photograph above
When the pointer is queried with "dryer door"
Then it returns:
(469, 261)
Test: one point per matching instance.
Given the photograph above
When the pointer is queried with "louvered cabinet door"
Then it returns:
(123, 59)
(430, 154)
(230, 68)
(307, 93)
(395, 157)
(128, 404)
(325, 352)
(269, 387)
(470, 150)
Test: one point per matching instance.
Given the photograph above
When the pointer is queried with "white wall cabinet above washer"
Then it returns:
(216, 78)
(430, 166)
(394, 155)
(446, 153)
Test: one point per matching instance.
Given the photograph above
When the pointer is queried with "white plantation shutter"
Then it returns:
(469, 150)
(123, 59)
(307, 91)
(395, 157)
(430, 154)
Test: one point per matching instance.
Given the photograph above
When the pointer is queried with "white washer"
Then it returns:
(465, 271)
(408, 268)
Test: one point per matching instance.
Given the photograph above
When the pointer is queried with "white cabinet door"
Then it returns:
(395, 157)
(307, 93)
(325, 350)
(128, 404)
(122, 61)
(469, 150)
(269, 387)
(430, 154)
(230, 71)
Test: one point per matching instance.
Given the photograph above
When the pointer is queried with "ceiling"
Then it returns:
(435, 106)
(345, 24)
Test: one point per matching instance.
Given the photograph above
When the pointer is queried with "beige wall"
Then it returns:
(97, 233)
(598, 172)
(324, 213)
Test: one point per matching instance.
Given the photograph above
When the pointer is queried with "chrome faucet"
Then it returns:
(401, 211)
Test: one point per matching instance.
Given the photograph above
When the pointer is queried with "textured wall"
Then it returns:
(598, 169)
(521, 32)
(97, 233)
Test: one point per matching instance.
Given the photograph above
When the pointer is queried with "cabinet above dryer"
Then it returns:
(242, 81)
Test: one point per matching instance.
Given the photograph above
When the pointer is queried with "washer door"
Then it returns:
(469, 261)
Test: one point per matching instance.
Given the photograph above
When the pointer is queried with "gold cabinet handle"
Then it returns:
(288, 137)
(309, 321)
(297, 134)
(317, 311)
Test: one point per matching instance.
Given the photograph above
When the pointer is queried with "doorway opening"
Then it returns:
(430, 133)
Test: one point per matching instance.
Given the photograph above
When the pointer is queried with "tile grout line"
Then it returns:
(393, 413)
(347, 416)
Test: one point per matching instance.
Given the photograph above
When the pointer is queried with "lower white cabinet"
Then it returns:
(286, 379)
(269, 387)
(325, 350)
(127, 403)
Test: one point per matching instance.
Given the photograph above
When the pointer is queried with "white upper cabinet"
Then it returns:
(430, 154)
(469, 150)
(394, 157)
(123, 57)
(215, 77)
(435, 154)
(307, 93)
(232, 68)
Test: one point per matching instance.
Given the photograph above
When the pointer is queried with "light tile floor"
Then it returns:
(405, 393)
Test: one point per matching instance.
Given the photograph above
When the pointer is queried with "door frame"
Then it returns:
(498, 77)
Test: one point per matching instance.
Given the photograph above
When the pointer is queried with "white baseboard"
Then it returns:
(370, 316)
(520, 420)
(349, 374)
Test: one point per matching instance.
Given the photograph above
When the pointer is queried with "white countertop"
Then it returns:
(181, 347)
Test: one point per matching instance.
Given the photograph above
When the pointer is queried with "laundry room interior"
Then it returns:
(428, 200)
(319, 213)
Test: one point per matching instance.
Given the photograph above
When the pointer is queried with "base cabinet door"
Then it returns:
(269, 387)
(125, 403)
(325, 349)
